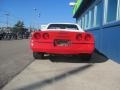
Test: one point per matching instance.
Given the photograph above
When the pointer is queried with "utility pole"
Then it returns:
(38, 16)
(7, 19)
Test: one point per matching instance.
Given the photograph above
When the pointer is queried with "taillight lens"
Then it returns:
(87, 37)
(37, 36)
(46, 36)
(79, 37)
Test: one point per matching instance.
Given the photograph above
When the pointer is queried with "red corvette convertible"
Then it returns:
(63, 39)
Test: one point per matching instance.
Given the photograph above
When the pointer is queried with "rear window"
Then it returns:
(63, 26)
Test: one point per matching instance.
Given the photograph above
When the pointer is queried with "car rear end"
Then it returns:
(62, 42)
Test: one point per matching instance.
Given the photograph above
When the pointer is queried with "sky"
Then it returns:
(35, 12)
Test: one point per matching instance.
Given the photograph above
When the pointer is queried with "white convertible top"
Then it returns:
(80, 29)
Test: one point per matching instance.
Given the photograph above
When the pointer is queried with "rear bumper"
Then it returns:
(73, 49)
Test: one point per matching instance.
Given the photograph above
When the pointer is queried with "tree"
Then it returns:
(19, 27)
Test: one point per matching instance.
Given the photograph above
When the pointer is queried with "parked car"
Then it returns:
(63, 39)
(26, 35)
(0, 36)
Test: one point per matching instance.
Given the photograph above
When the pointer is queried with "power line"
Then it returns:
(7, 17)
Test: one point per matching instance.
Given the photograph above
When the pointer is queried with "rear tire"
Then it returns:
(38, 55)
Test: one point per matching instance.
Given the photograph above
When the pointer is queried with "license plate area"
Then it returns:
(59, 42)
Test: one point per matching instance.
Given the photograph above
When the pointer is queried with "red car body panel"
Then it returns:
(62, 42)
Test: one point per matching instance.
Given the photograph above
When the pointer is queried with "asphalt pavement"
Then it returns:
(15, 55)
(55, 72)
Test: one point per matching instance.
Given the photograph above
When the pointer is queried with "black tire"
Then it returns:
(86, 57)
(38, 55)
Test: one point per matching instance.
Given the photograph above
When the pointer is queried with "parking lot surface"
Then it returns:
(68, 73)
(15, 55)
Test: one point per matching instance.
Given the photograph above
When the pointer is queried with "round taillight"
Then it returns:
(37, 36)
(46, 36)
(87, 37)
(79, 37)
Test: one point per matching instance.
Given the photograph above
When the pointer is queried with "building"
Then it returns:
(5, 29)
(102, 18)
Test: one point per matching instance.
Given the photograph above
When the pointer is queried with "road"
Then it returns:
(54, 72)
(15, 55)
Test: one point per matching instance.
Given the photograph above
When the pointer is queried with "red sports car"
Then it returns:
(63, 39)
